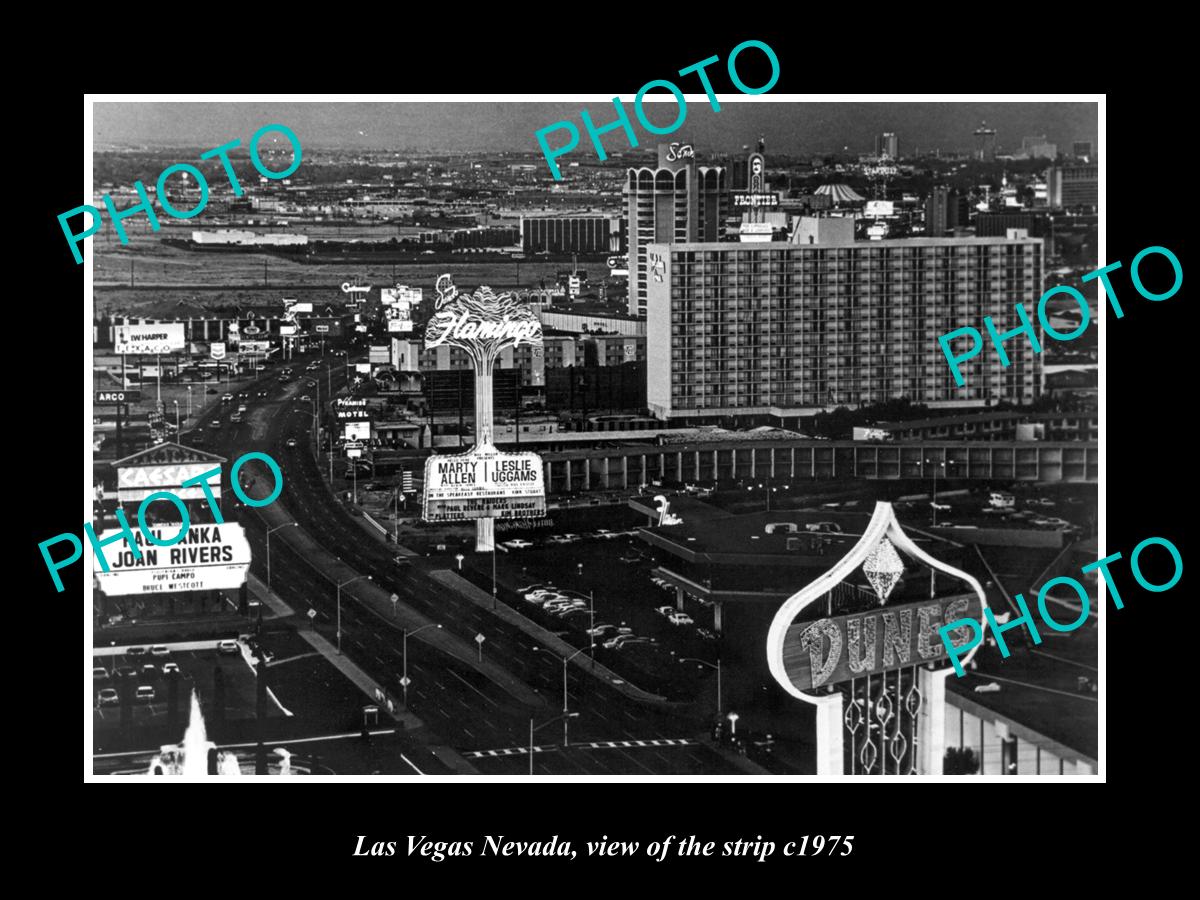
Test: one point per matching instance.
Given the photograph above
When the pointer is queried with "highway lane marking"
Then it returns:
(475, 689)
(410, 762)
(588, 745)
(323, 737)
(1063, 659)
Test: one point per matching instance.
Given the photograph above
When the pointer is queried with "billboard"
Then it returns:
(321, 329)
(166, 338)
(357, 431)
(351, 409)
(362, 368)
(136, 483)
(300, 308)
(210, 557)
(116, 398)
(287, 328)
(399, 325)
(377, 354)
(255, 346)
(483, 483)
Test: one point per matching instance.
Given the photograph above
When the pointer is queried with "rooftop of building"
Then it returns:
(887, 243)
(994, 416)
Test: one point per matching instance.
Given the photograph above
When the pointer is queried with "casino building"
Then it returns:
(828, 636)
(783, 329)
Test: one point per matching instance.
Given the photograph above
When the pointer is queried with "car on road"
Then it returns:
(536, 586)
(149, 671)
(170, 668)
(707, 634)
(312, 366)
(305, 398)
(517, 544)
(99, 673)
(236, 418)
(560, 602)
(310, 383)
(242, 395)
(680, 618)
(262, 394)
(542, 593)
(623, 640)
(291, 442)
(136, 651)
(665, 610)
(826, 527)
(109, 697)
(144, 692)
(1040, 501)
(226, 398)
(125, 671)
(402, 560)
(604, 628)
(940, 507)
(228, 647)
(605, 534)
(557, 539)
(160, 650)
(215, 423)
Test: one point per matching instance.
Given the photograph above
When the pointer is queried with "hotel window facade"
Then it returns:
(782, 329)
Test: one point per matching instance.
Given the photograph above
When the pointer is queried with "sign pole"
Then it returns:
(485, 529)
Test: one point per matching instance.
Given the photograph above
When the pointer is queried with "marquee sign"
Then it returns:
(832, 650)
(484, 483)
(210, 557)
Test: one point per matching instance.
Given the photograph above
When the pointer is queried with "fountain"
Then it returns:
(198, 756)
(191, 758)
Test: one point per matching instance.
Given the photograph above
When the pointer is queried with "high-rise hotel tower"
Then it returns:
(775, 330)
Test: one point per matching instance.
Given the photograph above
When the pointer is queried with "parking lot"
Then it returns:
(565, 581)
(306, 695)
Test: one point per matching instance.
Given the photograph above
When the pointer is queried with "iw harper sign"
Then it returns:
(165, 338)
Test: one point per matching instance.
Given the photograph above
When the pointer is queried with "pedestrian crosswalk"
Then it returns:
(589, 745)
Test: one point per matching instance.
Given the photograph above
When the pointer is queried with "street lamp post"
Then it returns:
(404, 657)
(565, 660)
(189, 390)
(711, 666)
(269, 530)
(937, 464)
(176, 402)
(564, 717)
(339, 606)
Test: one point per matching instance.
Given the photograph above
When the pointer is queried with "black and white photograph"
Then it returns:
(495, 439)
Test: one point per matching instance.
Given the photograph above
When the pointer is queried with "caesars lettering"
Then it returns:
(134, 555)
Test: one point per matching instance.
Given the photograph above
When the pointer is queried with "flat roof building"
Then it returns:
(785, 329)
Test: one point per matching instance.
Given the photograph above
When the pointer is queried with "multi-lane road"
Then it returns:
(611, 734)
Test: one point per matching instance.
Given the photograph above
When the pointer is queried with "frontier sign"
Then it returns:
(484, 483)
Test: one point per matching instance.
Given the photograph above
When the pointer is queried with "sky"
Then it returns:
(497, 125)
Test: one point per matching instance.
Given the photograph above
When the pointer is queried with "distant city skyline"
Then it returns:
(495, 125)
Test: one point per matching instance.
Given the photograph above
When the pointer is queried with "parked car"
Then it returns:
(226, 398)
(826, 527)
(109, 697)
(517, 544)
(536, 586)
(125, 671)
(136, 651)
(680, 618)
(160, 650)
(665, 610)
(539, 594)
(170, 668)
(1040, 501)
(99, 673)
(144, 692)
(228, 647)
(149, 671)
